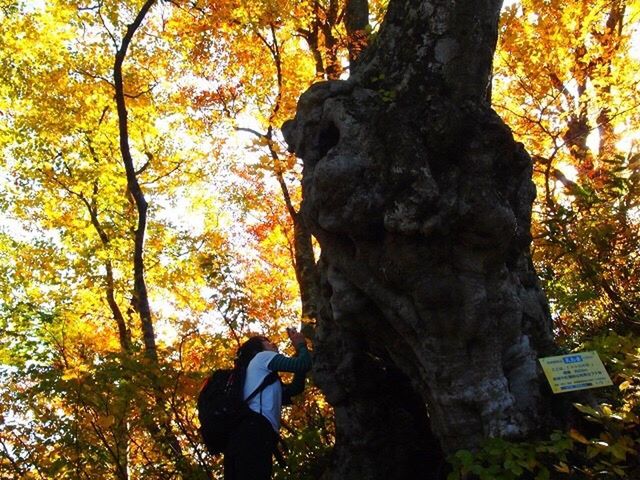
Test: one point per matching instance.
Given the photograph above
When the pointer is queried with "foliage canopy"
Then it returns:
(206, 86)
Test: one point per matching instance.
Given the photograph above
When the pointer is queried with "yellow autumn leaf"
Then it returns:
(106, 422)
(578, 437)
(624, 385)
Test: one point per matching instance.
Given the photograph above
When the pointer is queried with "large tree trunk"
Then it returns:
(432, 317)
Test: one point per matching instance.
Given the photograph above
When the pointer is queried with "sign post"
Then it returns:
(577, 371)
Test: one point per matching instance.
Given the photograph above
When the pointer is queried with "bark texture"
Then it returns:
(431, 316)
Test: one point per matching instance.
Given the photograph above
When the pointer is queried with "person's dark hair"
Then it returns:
(244, 355)
(248, 350)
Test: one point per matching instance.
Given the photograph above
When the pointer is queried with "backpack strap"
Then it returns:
(268, 380)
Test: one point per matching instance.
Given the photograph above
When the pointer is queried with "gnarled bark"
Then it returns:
(431, 317)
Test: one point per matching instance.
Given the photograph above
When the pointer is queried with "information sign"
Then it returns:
(577, 371)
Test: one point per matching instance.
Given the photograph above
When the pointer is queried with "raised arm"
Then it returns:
(299, 365)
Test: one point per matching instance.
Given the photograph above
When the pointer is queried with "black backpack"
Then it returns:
(221, 408)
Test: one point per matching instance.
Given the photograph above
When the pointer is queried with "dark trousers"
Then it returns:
(249, 453)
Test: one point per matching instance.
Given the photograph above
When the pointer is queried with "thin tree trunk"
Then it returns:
(121, 435)
(332, 63)
(304, 262)
(610, 43)
(121, 432)
(356, 21)
(306, 274)
(124, 334)
(322, 42)
(159, 426)
(141, 299)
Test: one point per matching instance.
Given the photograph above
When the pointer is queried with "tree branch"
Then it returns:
(141, 297)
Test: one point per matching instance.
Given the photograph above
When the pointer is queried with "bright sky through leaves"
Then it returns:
(219, 250)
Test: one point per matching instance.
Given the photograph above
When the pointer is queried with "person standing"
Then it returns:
(249, 453)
